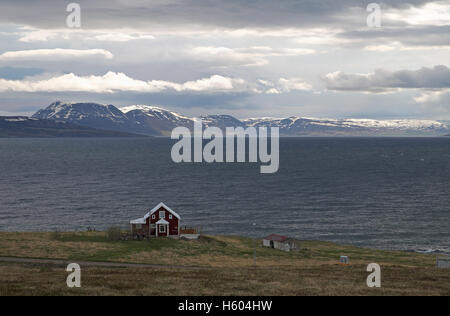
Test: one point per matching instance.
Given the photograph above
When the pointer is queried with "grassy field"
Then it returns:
(227, 264)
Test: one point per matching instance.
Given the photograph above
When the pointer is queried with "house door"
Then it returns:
(162, 230)
(272, 245)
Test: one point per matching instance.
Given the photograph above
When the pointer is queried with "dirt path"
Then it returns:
(97, 264)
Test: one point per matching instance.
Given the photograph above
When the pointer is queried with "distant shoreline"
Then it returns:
(427, 252)
(131, 136)
(25, 127)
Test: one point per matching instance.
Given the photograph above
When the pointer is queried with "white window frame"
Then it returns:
(153, 216)
(170, 216)
(162, 214)
(162, 227)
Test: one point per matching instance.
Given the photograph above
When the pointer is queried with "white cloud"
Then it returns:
(215, 83)
(252, 56)
(287, 85)
(113, 82)
(226, 56)
(431, 96)
(284, 85)
(270, 51)
(380, 48)
(54, 54)
(318, 36)
(30, 35)
(397, 46)
(432, 13)
(121, 37)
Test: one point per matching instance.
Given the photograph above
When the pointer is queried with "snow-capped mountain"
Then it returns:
(156, 121)
(297, 126)
(153, 120)
(222, 121)
(106, 117)
(163, 121)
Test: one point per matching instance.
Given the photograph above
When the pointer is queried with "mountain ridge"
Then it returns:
(157, 121)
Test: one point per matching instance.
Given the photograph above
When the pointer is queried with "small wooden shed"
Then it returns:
(443, 262)
(280, 242)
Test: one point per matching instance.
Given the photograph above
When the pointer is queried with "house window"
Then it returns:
(139, 226)
(162, 228)
(153, 217)
(162, 215)
(170, 216)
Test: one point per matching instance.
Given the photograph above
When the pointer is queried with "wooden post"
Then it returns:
(254, 252)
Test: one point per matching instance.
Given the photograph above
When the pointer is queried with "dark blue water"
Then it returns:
(384, 193)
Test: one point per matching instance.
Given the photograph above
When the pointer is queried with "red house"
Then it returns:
(161, 221)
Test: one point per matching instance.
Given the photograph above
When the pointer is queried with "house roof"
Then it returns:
(162, 222)
(138, 221)
(275, 237)
(143, 220)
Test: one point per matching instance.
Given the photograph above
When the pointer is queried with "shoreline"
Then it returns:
(421, 250)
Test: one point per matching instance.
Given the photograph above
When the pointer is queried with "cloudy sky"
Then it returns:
(248, 58)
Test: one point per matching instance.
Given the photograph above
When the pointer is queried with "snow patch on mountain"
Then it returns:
(155, 111)
(349, 123)
(400, 124)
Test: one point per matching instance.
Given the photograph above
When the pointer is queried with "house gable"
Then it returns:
(158, 207)
(144, 219)
(158, 216)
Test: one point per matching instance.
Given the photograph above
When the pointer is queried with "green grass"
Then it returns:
(117, 250)
(94, 246)
(313, 270)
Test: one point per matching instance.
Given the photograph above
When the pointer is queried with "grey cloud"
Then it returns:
(232, 14)
(437, 77)
(411, 36)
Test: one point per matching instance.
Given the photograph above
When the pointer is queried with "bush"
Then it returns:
(114, 234)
